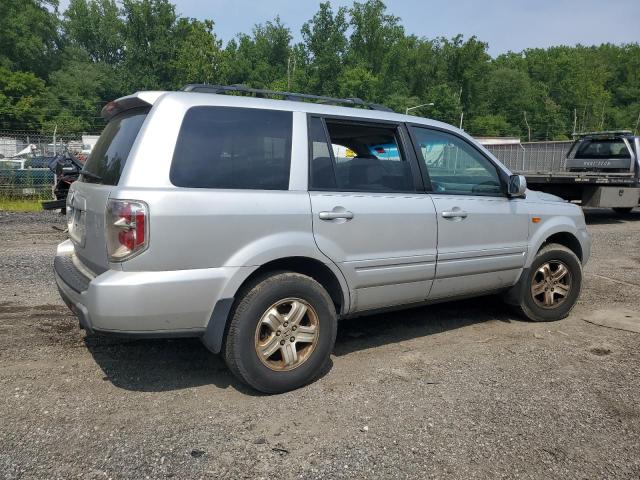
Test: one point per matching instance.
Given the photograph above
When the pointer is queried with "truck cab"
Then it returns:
(608, 153)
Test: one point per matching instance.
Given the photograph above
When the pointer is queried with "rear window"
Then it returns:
(237, 148)
(110, 153)
(603, 148)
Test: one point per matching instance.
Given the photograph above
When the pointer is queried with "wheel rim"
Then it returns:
(287, 334)
(551, 284)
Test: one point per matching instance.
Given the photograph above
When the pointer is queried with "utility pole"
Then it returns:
(461, 118)
(602, 118)
(527, 123)
(575, 121)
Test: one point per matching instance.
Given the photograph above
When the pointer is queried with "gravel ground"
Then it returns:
(464, 390)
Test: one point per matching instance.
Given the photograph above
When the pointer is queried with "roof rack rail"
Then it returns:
(603, 133)
(261, 93)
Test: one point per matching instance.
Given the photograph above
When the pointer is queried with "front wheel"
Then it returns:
(282, 333)
(551, 287)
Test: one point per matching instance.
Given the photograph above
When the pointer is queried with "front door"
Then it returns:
(482, 233)
(368, 216)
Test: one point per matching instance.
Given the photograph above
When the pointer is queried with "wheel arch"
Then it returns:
(330, 278)
(561, 230)
(311, 267)
(566, 239)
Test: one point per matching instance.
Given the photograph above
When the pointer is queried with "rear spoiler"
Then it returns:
(138, 99)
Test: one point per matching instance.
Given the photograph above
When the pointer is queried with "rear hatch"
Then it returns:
(608, 154)
(87, 200)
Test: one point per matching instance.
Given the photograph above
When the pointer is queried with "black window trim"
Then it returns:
(405, 149)
(502, 176)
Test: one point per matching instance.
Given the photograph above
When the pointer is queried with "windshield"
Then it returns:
(109, 155)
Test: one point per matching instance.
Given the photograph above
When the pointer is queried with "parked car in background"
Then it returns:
(232, 219)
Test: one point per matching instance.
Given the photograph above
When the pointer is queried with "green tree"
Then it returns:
(29, 36)
(23, 100)
(96, 26)
(325, 43)
(264, 59)
(198, 57)
(374, 32)
(149, 44)
(491, 126)
(467, 64)
(78, 91)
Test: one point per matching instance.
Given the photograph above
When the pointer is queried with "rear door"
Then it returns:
(482, 233)
(87, 200)
(368, 215)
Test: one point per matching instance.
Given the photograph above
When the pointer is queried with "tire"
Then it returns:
(277, 372)
(530, 305)
(623, 210)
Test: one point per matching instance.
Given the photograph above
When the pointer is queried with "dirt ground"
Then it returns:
(463, 390)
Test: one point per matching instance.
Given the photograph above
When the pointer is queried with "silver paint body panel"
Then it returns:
(204, 243)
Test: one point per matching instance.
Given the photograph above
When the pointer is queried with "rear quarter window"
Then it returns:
(235, 148)
(110, 153)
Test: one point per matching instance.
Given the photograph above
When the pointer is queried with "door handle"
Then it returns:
(335, 215)
(454, 214)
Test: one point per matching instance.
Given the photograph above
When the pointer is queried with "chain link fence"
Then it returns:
(24, 162)
(533, 157)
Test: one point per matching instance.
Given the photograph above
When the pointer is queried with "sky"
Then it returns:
(507, 25)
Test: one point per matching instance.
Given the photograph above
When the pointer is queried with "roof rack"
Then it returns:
(261, 93)
(608, 133)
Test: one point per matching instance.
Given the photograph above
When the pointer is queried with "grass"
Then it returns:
(20, 204)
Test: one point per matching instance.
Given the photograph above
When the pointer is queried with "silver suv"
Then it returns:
(255, 224)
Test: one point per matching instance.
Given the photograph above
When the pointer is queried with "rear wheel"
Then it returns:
(550, 289)
(282, 333)
(623, 210)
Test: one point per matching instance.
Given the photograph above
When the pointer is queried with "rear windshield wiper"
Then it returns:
(92, 176)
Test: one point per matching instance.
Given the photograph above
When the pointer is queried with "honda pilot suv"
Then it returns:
(255, 224)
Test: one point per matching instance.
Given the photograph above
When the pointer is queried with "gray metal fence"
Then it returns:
(533, 157)
(24, 159)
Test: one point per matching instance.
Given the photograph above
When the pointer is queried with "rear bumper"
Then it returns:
(146, 304)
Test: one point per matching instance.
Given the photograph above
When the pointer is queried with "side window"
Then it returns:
(322, 172)
(227, 147)
(364, 157)
(454, 166)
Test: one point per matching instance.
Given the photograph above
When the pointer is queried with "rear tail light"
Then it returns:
(127, 229)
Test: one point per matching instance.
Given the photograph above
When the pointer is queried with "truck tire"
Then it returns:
(549, 290)
(623, 210)
(282, 332)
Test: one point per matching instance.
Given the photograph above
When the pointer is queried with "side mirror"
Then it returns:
(517, 186)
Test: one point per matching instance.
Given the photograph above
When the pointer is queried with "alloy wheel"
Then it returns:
(551, 284)
(287, 334)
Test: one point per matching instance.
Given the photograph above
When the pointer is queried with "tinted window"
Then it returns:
(363, 157)
(454, 166)
(109, 155)
(224, 147)
(322, 172)
(605, 148)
